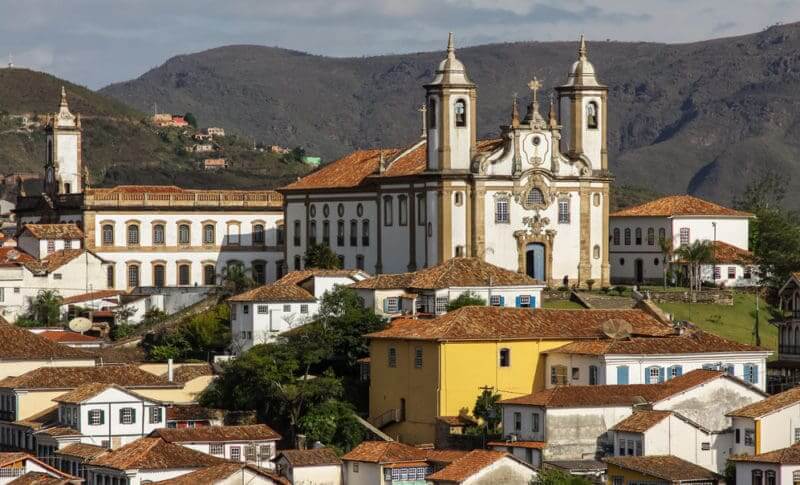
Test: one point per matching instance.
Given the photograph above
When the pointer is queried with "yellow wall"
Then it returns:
(189, 393)
(450, 380)
(629, 475)
(33, 402)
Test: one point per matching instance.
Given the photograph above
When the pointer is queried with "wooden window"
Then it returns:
(158, 234)
(133, 235)
(156, 415)
(326, 233)
(96, 417)
(304, 309)
(627, 236)
(353, 232)
(258, 234)
(535, 422)
(421, 211)
(209, 275)
(250, 452)
(517, 421)
(217, 449)
(312, 233)
(365, 233)
(260, 272)
(159, 277)
(558, 375)
(209, 234)
(110, 276)
(731, 272)
(184, 234)
(184, 274)
(505, 357)
(108, 235)
(340, 233)
(133, 275)
(236, 453)
(616, 236)
(651, 236)
(51, 246)
(593, 375)
(638, 236)
(297, 263)
(662, 234)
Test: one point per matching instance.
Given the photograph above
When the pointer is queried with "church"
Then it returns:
(534, 200)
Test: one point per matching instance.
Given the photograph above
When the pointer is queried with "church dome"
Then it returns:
(582, 72)
(451, 70)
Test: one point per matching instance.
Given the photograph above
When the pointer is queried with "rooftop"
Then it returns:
(679, 205)
(190, 372)
(455, 272)
(152, 453)
(313, 457)
(193, 412)
(16, 257)
(85, 392)
(251, 432)
(54, 231)
(41, 478)
(221, 473)
(692, 341)
(67, 336)
(275, 292)
(82, 450)
(17, 343)
(172, 196)
(297, 277)
(73, 377)
(466, 466)
(495, 323)
(92, 295)
(666, 467)
(783, 456)
(385, 452)
(641, 421)
(769, 405)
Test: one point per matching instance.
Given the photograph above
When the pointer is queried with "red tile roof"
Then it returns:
(54, 231)
(534, 445)
(665, 467)
(92, 295)
(313, 457)
(210, 434)
(275, 292)
(73, 377)
(679, 205)
(783, 456)
(385, 452)
(725, 253)
(769, 405)
(222, 473)
(297, 277)
(692, 341)
(17, 343)
(193, 412)
(494, 323)
(153, 454)
(82, 450)
(67, 336)
(87, 391)
(467, 466)
(455, 272)
(641, 421)
(41, 478)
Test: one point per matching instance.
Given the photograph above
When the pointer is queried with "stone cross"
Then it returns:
(535, 85)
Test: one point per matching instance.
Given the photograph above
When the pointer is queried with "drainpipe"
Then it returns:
(170, 370)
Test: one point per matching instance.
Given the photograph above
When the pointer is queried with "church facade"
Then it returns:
(534, 200)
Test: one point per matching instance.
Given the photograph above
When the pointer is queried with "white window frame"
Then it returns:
(392, 304)
(684, 235)
(127, 416)
(216, 449)
(262, 309)
(441, 305)
(563, 211)
(502, 213)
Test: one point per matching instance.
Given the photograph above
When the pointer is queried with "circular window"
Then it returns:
(326, 211)
(536, 140)
(313, 210)
(622, 261)
(360, 210)
(655, 262)
(340, 210)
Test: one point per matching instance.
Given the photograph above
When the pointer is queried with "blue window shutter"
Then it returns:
(661, 374)
(622, 375)
(385, 305)
(678, 370)
(517, 301)
(533, 301)
(755, 374)
(502, 300)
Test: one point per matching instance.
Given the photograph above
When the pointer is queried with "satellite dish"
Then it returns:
(80, 324)
(617, 329)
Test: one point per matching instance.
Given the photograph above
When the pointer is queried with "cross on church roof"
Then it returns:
(535, 85)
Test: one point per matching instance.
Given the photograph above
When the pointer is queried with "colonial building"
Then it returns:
(155, 236)
(784, 373)
(767, 425)
(255, 443)
(533, 200)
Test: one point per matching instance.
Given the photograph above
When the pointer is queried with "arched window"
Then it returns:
(326, 232)
(458, 198)
(260, 272)
(297, 262)
(596, 251)
(460, 112)
(209, 275)
(662, 234)
(158, 275)
(616, 236)
(596, 199)
(184, 274)
(296, 235)
(627, 236)
(110, 277)
(158, 234)
(365, 233)
(353, 232)
(133, 275)
(133, 235)
(638, 236)
(770, 477)
(387, 210)
(651, 236)
(402, 210)
(758, 477)
(184, 234)
(312, 233)
(431, 113)
(535, 197)
(258, 234)
(591, 115)
(209, 234)
(108, 235)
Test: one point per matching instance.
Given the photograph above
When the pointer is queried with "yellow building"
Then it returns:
(422, 370)
(667, 469)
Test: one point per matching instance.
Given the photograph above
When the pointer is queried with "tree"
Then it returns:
(123, 314)
(468, 298)
(695, 255)
(45, 308)
(235, 279)
(488, 410)
(776, 246)
(321, 256)
(665, 245)
(189, 117)
(334, 424)
(558, 477)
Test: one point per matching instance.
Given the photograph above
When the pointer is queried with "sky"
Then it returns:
(98, 42)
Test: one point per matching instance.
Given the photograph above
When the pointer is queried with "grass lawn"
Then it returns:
(734, 322)
(562, 305)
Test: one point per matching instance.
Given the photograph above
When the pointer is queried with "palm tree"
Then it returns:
(666, 251)
(235, 279)
(695, 255)
(46, 307)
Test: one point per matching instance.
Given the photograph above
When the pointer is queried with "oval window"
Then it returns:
(313, 210)
(340, 210)
(326, 211)
(360, 210)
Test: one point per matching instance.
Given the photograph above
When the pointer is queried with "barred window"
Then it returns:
(638, 236)
(501, 213)
(184, 234)
(535, 197)
(184, 274)
(627, 236)
(158, 234)
(441, 304)
(209, 275)
(208, 234)
(616, 236)
(133, 275)
(133, 235)
(563, 211)
(217, 449)
(258, 234)
(108, 235)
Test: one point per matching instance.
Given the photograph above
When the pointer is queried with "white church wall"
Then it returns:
(728, 229)
(460, 136)
(592, 137)
(67, 152)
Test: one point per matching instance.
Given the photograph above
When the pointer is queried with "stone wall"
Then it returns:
(716, 297)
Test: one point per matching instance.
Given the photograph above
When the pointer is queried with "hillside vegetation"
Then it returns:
(701, 118)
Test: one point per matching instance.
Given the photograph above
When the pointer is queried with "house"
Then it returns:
(316, 466)
(784, 373)
(777, 467)
(92, 301)
(527, 199)
(228, 474)
(767, 425)
(69, 338)
(636, 256)
(66, 271)
(387, 462)
(22, 468)
(279, 149)
(261, 314)
(417, 365)
(483, 466)
(685, 415)
(255, 444)
(430, 290)
(22, 351)
(41, 240)
(72, 458)
(635, 470)
(146, 460)
(193, 416)
(215, 131)
(202, 148)
(215, 163)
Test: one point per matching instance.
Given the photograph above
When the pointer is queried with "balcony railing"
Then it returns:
(185, 198)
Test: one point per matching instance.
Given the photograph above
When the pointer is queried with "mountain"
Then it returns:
(703, 118)
(119, 145)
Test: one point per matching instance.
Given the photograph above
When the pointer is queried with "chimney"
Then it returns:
(300, 442)
(170, 370)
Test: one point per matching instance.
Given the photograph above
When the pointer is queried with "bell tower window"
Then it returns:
(591, 115)
(431, 113)
(460, 111)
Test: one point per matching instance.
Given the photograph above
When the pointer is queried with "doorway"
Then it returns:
(534, 261)
(638, 267)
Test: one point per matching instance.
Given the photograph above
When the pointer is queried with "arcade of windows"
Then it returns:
(133, 236)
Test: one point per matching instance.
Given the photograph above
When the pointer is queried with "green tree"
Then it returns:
(45, 307)
(190, 118)
(777, 246)
(321, 256)
(468, 298)
(488, 410)
(236, 279)
(665, 245)
(695, 255)
(334, 424)
(558, 477)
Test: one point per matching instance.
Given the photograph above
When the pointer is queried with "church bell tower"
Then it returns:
(64, 165)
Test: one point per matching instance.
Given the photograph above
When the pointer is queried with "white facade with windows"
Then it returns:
(530, 201)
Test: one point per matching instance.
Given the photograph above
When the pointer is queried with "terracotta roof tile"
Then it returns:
(692, 341)
(444, 456)
(616, 394)
(90, 390)
(251, 432)
(60, 431)
(82, 450)
(457, 420)
(92, 295)
(784, 456)
(48, 417)
(666, 467)
(73, 377)
(679, 205)
(725, 253)
(152, 454)
(458, 272)
(17, 343)
(466, 466)
(41, 478)
(274, 292)
(54, 231)
(9, 457)
(494, 323)
(189, 372)
(221, 474)
(641, 421)
(314, 457)
(193, 412)
(385, 452)
(534, 445)
(67, 336)
(769, 405)
(297, 277)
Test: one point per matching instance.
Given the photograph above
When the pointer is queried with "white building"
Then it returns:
(227, 474)
(254, 444)
(156, 236)
(66, 271)
(528, 201)
(42, 240)
(261, 314)
(767, 425)
(779, 467)
(430, 290)
(636, 256)
(319, 466)
(14, 465)
(576, 422)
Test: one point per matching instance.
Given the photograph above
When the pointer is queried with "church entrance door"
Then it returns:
(534, 261)
(639, 270)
